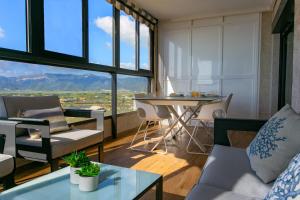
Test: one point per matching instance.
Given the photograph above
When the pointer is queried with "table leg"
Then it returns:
(169, 131)
(184, 125)
(159, 189)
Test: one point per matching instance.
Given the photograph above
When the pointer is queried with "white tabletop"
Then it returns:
(185, 101)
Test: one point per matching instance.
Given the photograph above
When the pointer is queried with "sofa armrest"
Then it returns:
(222, 125)
(32, 123)
(8, 132)
(97, 114)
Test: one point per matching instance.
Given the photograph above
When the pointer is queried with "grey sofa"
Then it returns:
(227, 174)
(49, 148)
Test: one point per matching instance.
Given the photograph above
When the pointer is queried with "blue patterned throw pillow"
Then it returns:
(287, 185)
(275, 144)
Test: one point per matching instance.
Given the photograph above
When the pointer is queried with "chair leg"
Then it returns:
(100, 152)
(136, 134)
(9, 181)
(54, 165)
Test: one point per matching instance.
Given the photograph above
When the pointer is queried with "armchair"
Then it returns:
(50, 147)
(7, 153)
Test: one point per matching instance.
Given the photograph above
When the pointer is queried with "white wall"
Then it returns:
(216, 55)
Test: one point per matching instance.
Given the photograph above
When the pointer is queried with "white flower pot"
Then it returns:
(88, 184)
(74, 178)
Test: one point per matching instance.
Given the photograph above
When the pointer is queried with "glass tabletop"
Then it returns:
(115, 183)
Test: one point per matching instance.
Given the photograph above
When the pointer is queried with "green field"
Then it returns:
(84, 99)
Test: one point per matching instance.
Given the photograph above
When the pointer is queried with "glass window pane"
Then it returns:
(13, 24)
(127, 87)
(100, 32)
(127, 41)
(144, 47)
(76, 88)
(63, 26)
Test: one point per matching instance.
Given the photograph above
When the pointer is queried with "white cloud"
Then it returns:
(127, 65)
(108, 45)
(2, 32)
(127, 29)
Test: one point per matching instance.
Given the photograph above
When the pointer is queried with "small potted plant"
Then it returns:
(76, 161)
(89, 177)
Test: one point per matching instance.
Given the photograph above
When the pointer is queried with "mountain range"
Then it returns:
(70, 82)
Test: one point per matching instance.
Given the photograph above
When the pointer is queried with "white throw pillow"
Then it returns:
(287, 185)
(276, 143)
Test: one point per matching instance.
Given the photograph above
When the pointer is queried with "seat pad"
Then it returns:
(205, 192)
(229, 168)
(63, 143)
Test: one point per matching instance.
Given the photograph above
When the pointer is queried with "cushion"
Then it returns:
(10, 106)
(55, 116)
(287, 185)
(62, 143)
(276, 143)
(6, 165)
(206, 192)
(229, 168)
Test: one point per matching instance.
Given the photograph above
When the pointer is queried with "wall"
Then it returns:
(126, 122)
(296, 65)
(269, 67)
(214, 55)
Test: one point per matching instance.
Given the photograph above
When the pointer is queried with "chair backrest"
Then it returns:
(227, 102)
(149, 112)
(207, 111)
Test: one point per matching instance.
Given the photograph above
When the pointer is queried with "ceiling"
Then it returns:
(185, 9)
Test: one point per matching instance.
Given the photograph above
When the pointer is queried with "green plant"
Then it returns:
(77, 159)
(89, 170)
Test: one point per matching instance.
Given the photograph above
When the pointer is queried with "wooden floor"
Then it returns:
(179, 169)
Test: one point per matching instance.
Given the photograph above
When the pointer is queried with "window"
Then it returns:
(144, 47)
(100, 32)
(127, 41)
(127, 87)
(76, 88)
(63, 26)
(13, 24)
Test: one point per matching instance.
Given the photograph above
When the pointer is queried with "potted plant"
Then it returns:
(76, 161)
(89, 177)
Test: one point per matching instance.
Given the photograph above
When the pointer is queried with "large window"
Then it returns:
(63, 26)
(76, 88)
(127, 87)
(100, 32)
(144, 47)
(127, 41)
(13, 24)
(81, 50)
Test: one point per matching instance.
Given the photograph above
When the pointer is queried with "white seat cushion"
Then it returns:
(206, 192)
(229, 168)
(63, 143)
(6, 165)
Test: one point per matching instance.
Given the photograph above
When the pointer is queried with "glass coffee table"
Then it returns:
(115, 183)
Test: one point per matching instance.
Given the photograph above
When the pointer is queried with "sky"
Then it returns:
(63, 33)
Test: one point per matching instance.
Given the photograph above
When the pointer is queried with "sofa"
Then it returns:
(227, 174)
(50, 147)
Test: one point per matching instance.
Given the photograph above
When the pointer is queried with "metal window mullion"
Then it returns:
(35, 26)
(85, 30)
(137, 45)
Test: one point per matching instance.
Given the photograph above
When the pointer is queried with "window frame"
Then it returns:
(36, 53)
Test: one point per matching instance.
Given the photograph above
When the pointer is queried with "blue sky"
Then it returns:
(63, 31)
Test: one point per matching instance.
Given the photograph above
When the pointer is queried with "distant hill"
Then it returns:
(69, 82)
